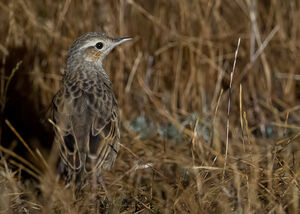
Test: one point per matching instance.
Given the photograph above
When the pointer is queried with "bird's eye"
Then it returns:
(99, 45)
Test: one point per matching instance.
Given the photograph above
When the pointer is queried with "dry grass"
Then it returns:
(182, 151)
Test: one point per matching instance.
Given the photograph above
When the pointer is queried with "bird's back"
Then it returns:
(86, 114)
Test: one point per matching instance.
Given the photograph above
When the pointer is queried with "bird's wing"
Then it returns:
(71, 125)
(103, 144)
(88, 124)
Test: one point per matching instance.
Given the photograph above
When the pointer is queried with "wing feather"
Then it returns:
(86, 113)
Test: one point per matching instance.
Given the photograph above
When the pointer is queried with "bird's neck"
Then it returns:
(103, 72)
(86, 70)
(77, 63)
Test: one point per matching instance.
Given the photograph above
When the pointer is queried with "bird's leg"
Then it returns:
(93, 195)
(100, 180)
(96, 178)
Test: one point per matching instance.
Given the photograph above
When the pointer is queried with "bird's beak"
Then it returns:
(121, 40)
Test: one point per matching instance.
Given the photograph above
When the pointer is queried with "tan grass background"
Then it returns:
(172, 84)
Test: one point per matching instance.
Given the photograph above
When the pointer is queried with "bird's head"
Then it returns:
(93, 47)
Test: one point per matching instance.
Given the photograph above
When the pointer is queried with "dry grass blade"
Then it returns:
(11, 76)
(25, 162)
(132, 73)
(229, 104)
(21, 139)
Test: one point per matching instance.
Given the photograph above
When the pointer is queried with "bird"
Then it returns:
(85, 110)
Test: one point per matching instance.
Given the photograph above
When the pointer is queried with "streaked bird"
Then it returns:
(85, 109)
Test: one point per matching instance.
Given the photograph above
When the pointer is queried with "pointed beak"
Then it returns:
(121, 40)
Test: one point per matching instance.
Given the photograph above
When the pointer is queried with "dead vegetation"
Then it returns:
(184, 149)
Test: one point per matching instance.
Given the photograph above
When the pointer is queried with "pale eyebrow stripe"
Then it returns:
(89, 43)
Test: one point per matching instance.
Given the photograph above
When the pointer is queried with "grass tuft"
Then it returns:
(175, 88)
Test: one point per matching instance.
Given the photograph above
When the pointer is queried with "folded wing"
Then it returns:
(87, 119)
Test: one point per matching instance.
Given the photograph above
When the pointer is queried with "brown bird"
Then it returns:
(85, 109)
